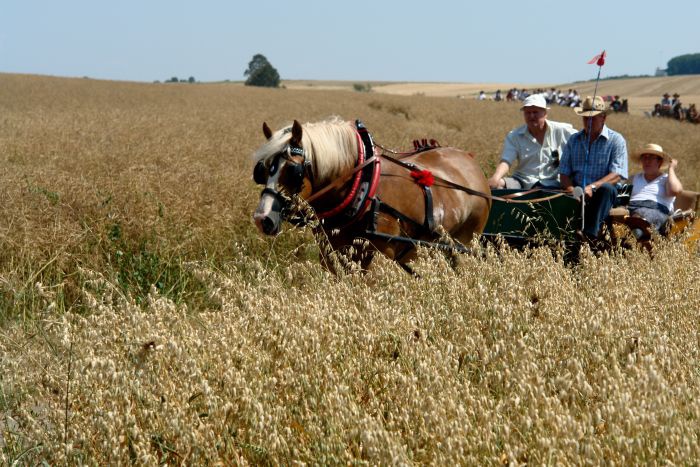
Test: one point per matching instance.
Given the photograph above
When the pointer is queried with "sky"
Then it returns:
(361, 40)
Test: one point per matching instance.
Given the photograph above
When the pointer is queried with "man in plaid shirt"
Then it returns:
(595, 159)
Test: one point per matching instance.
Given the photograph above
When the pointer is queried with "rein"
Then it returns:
(341, 180)
(361, 198)
(449, 184)
(357, 200)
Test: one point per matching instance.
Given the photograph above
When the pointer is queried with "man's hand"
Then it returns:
(496, 182)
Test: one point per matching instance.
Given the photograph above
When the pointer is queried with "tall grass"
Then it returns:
(145, 320)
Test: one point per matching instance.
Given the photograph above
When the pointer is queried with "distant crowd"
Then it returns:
(553, 96)
(672, 107)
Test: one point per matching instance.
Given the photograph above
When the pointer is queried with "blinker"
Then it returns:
(294, 173)
(259, 173)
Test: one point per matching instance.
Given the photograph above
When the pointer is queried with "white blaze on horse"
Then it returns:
(395, 204)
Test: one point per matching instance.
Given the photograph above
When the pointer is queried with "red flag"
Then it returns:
(598, 59)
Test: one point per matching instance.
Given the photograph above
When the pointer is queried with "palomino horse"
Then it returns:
(393, 204)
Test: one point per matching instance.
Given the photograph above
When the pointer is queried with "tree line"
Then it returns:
(688, 64)
(260, 71)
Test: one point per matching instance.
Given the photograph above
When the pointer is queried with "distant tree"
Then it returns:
(359, 87)
(261, 73)
(688, 64)
(191, 79)
(172, 80)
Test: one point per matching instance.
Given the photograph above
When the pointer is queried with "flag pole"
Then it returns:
(600, 61)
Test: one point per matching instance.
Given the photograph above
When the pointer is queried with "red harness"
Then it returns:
(355, 195)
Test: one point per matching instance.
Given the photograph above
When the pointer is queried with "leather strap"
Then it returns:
(340, 180)
(506, 199)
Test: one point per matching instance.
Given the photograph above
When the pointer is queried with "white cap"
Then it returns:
(535, 100)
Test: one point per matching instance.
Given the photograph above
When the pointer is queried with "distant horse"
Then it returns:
(393, 204)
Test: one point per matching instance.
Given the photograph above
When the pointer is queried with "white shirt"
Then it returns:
(654, 190)
(536, 162)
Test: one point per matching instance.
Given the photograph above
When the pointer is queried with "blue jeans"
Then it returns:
(598, 207)
(655, 213)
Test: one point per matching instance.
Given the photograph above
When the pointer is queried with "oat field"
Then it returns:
(144, 321)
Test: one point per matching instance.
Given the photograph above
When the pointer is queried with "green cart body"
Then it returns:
(521, 224)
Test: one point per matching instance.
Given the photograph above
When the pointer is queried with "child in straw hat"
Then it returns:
(653, 191)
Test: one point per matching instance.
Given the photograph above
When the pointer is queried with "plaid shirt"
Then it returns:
(608, 154)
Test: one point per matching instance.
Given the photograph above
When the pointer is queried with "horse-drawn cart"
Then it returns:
(368, 199)
(555, 217)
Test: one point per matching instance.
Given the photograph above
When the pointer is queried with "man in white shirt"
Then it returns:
(535, 146)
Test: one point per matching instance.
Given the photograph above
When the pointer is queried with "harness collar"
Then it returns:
(364, 183)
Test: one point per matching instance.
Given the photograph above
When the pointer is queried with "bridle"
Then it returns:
(297, 172)
(300, 170)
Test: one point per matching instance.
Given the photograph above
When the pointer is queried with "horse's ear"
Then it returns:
(296, 133)
(266, 131)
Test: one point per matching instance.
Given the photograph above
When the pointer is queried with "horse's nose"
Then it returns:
(269, 226)
(267, 217)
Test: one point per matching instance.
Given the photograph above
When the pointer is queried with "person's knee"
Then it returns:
(607, 189)
(512, 183)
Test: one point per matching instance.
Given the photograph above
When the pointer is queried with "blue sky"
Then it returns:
(432, 40)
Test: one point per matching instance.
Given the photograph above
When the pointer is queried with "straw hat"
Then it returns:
(591, 107)
(653, 149)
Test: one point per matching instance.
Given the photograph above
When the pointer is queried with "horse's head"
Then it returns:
(284, 169)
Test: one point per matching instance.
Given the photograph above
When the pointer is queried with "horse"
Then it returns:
(367, 202)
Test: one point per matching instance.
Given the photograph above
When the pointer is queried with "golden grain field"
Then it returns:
(143, 319)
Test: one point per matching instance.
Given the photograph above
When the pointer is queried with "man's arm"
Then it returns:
(508, 156)
(566, 183)
(612, 178)
(565, 169)
(568, 186)
(496, 180)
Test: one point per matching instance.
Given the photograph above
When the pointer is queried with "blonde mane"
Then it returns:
(330, 145)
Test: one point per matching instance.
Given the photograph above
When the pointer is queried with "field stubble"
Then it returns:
(144, 319)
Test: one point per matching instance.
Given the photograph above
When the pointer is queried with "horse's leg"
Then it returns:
(329, 247)
(398, 251)
(474, 224)
(339, 250)
(475, 220)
